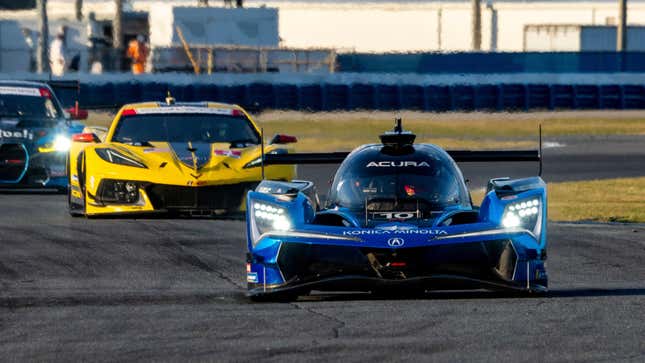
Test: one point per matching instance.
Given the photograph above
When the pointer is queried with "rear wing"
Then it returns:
(463, 156)
(67, 92)
(457, 155)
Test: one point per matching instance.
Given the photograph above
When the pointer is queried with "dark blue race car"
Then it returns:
(398, 218)
(35, 136)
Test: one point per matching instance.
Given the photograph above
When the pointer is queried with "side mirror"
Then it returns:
(76, 113)
(85, 137)
(283, 139)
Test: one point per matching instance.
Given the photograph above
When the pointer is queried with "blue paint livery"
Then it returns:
(459, 247)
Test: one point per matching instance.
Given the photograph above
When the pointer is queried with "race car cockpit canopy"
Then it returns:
(418, 181)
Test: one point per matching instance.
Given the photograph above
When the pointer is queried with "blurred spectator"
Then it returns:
(138, 53)
(239, 3)
(58, 53)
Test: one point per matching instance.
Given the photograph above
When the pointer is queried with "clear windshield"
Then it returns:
(31, 110)
(206, 128)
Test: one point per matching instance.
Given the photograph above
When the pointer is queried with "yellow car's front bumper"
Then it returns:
(168, 198)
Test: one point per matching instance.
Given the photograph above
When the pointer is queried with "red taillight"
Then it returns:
(236, 113)
(14, 161)
(129, 112)
(84, 137)
(398, 264)
(44, 92)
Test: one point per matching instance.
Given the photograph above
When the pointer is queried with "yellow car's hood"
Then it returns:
(206, 160)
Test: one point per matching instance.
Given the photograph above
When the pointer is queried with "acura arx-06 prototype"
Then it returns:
(198, 158)
(398, 217)
(35, 136)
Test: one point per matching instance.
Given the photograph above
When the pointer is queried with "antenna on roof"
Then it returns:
(397, 138)
(540, 150)
(262, 151)
(170, 100)
(397, 125)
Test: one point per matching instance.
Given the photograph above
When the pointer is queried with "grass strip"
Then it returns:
(609, 200)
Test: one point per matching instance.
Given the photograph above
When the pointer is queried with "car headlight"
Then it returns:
(525, 214)
(267, 218)
(115, 157)
(119, 192)
(62, 143)
(270, 217)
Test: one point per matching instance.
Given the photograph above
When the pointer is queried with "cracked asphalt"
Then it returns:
(75, 289)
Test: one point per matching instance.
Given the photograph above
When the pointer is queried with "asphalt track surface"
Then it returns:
(155, 289)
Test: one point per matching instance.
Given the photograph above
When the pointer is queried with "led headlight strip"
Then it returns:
(519, 212)
(273, 216)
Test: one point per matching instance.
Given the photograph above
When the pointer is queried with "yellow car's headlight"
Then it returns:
(115, 157)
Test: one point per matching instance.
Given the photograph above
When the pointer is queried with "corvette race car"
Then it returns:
(35, 136)
(398, 218)
(198, 158)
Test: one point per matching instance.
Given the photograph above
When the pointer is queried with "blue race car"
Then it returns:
(35, 135)
(398, 218)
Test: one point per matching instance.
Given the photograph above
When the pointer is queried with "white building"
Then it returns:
(398, 26)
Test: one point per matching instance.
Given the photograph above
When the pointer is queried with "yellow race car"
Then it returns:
(199, 158)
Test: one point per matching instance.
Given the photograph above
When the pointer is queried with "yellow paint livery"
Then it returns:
(194, 157)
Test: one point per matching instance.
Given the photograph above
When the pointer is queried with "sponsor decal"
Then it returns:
(395, 242)
(18, 134)
(379, 232)
(20, 91)
(230, 153)
(185, 109)
(252, 277)
(398, 164)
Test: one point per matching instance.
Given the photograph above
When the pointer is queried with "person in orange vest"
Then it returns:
(138, 53)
